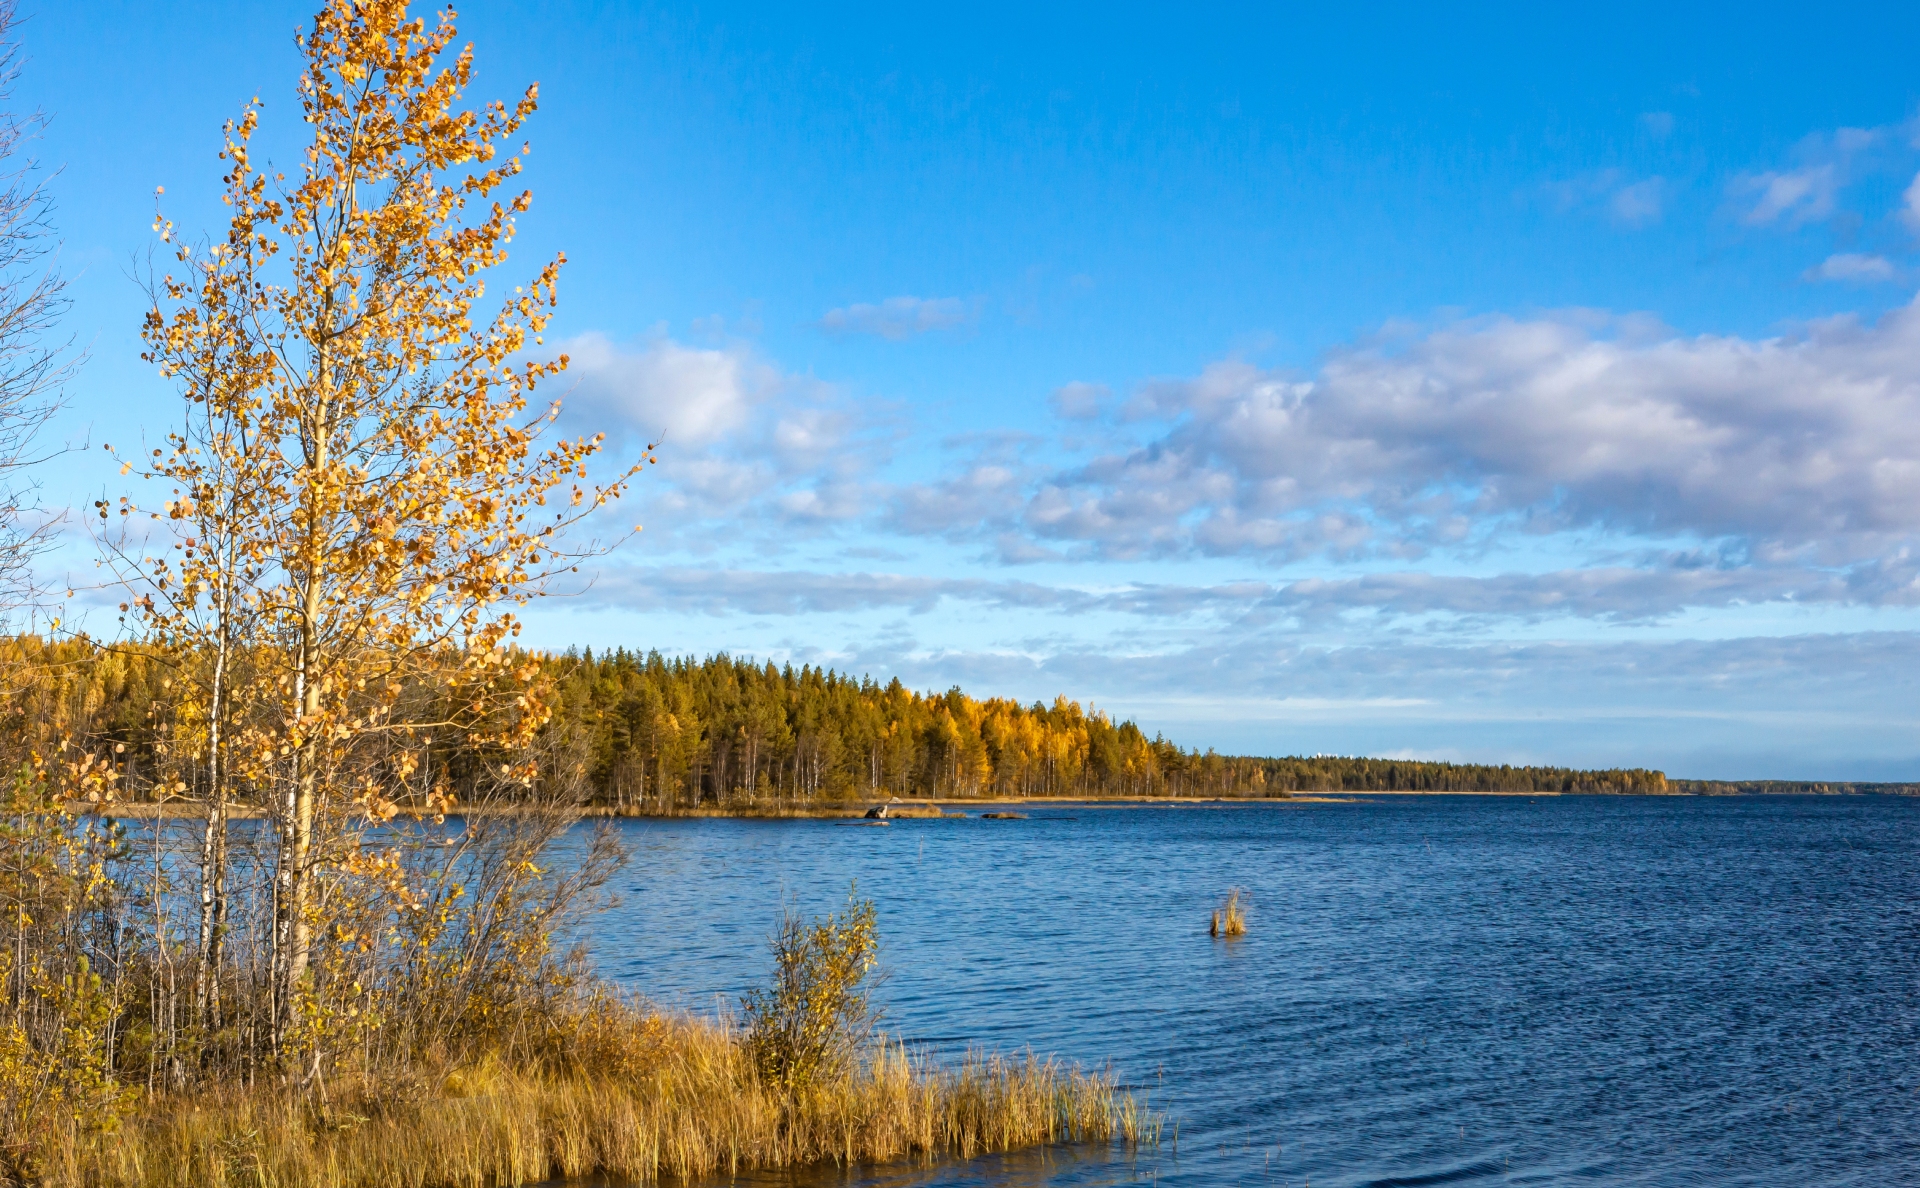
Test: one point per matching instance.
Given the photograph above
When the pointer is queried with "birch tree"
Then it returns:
(364, 492)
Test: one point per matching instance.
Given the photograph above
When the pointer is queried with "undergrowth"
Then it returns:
(628, 1093)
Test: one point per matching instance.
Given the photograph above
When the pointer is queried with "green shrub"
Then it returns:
(819, 1012)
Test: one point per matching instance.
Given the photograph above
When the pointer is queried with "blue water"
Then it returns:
(1433, 990)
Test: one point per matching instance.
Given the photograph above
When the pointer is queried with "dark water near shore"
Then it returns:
(1451, 990)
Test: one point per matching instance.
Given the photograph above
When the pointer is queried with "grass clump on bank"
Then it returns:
(626, 1092)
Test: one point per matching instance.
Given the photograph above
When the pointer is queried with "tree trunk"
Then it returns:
(213, 856)
(301, 802)
(297, 841)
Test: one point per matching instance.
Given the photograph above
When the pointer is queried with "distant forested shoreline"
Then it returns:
(656, 734)
(1792, 788)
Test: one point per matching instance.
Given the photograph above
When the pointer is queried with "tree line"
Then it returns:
(664, 732)
(658, 734)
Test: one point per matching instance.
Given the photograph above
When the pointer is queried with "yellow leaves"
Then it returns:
(357, 463)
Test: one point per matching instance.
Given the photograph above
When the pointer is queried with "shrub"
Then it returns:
(819, 1012)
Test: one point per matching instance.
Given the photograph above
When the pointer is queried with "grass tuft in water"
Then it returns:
(1230, 918)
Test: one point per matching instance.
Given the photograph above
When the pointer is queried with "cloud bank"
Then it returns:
(1668, 471)
(1800, 450)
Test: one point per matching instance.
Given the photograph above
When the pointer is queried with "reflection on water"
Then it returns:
(1432, 990)
(1050, 1166)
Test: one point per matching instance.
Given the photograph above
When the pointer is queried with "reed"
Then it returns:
(637, 1096)
(1230, 918)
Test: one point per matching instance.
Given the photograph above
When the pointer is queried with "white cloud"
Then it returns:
(1853, 268)
(663, 390)
(1639, 203)
(1657, 588)
(1609, 191)
(1807, 192)
(1804, 446)
(898, 318)
(1795, 196)
(738, 438)
(702, 590)
(1078, 401)
(984, 492)
(1910, 212)
(1659, 124)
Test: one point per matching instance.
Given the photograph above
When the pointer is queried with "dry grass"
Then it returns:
(639, 1097)
(1230, 919)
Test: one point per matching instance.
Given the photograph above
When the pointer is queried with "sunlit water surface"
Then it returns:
(1443, 990)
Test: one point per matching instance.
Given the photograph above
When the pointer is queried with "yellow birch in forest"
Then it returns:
(365, 466)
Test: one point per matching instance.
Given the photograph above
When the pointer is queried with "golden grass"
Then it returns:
(1230, 919)
(645, 1098)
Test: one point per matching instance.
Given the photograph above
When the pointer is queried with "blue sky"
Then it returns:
(1517, 386)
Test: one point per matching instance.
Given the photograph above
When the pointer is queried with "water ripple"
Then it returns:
(1575, 990)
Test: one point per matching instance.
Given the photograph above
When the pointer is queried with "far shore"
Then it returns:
(955, 807)
(917, 808)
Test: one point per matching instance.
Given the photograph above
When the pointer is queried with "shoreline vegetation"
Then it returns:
(617, 1091)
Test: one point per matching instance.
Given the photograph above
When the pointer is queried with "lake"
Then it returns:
(1432, 990)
